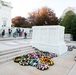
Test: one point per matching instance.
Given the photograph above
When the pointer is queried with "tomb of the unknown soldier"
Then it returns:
(49, 38)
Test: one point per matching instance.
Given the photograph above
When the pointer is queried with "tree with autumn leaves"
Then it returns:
(43, 16)
(19, 21)
(40, 17)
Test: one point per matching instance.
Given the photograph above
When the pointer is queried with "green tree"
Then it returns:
(69, 22)
(73, 28)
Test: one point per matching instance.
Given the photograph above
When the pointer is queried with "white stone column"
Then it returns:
(49, 38)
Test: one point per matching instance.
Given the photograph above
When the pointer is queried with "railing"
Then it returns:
(29, 35)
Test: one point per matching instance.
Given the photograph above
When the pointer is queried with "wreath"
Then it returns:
(17, 59)
(42, 66)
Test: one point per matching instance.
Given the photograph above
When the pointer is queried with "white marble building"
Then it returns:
(5, 15)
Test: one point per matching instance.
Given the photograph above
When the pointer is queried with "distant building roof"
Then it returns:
(68, 9)
(4, 3)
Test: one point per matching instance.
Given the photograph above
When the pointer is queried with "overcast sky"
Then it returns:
(23, 7)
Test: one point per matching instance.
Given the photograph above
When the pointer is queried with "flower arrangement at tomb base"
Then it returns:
(39, 59)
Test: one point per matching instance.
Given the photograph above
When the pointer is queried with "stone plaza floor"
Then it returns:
(64, 64)
(15, 43)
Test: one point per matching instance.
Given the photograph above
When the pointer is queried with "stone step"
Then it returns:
(10, 55)
(15, 53)
(11, 58)
(13, 50)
